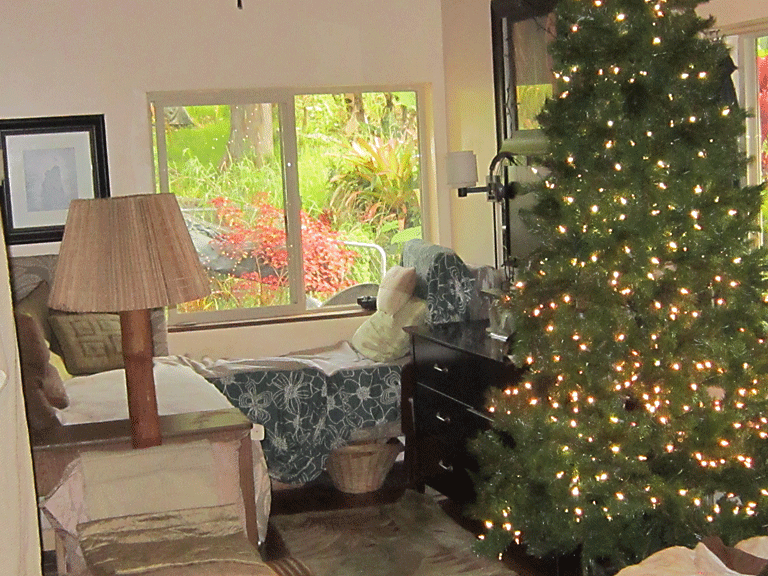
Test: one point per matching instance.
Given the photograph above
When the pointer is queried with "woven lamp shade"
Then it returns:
(126, 253)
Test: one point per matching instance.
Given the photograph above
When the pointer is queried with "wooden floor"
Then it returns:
(322, 495)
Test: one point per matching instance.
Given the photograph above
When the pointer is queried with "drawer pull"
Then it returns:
(445, 419)
(438, 368)
(446, 467)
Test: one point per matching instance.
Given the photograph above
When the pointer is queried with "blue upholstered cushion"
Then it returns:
(442, 279)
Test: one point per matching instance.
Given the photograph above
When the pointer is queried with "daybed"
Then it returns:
(306, 403)
(313, 401)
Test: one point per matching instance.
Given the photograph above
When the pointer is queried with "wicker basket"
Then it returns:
(361, 467)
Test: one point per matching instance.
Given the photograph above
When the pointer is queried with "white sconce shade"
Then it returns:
(461, 168)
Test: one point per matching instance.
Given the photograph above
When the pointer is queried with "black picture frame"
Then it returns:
(47, 162)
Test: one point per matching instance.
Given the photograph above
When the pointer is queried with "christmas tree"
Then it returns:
(641, 421)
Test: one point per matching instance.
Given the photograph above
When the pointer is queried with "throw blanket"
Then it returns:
(308, 407)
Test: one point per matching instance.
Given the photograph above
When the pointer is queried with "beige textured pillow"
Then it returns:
(381, 336)
(89, 343)
(35, 304)
(395, 289)
(41, 384)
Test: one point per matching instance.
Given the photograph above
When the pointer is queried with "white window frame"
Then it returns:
(285, 98)
(742, 38)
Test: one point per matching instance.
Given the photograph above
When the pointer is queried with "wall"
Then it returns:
(19, 538)
(728, 12)
(82, 56)
(471, 118)
(471, 126)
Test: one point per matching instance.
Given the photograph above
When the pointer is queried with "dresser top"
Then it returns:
(470, 337)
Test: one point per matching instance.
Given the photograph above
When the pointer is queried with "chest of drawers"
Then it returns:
(444, 394)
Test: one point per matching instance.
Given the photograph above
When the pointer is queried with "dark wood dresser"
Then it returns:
(444, 392)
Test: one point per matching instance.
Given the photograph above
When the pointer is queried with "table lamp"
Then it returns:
(128, 254)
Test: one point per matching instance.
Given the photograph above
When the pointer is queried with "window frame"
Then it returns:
(285, 99)
(742, 38)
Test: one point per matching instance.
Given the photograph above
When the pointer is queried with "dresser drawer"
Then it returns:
(442, 416)
(455, 373)
(446, 468)
(444, 396)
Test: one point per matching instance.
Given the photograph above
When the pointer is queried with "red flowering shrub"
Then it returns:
(262, 240)
(762, 84)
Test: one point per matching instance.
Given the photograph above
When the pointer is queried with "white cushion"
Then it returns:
(381, 336)
(395, 289)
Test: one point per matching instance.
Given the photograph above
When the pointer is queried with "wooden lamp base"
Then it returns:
(136, 329)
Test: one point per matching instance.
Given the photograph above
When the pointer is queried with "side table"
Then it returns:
(55, 448)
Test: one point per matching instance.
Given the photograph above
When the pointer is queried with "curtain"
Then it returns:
(19, 532)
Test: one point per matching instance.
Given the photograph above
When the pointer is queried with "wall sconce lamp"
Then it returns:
(501, 185)
(128, 254)
(462, 167)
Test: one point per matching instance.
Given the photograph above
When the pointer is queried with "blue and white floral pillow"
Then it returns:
(450, 289)
(443, 280)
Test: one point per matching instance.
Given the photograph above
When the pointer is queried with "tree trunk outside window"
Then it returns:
(250, 134)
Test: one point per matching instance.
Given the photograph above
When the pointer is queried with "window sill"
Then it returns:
(309, 316)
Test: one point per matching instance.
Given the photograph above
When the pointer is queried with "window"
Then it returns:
(290, 198)
(523, 80)
(750, 53)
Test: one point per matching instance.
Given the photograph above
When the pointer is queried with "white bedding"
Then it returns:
(327, 359)
(102, 397)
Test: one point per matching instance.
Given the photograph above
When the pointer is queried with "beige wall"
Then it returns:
(82, 56)
(19, 538)
(730, 12)
(471, 124)
(269, 339)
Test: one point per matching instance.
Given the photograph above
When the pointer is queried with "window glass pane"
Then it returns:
(225, 166)
(360, 187)
(533, 77)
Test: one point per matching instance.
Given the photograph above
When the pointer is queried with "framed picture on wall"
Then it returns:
(47, 163)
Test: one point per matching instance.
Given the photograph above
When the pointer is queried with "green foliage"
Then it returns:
(762, 46)
(640, 423)
(206, 142)
(530, 100)
(197, 184)
(378, 181)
